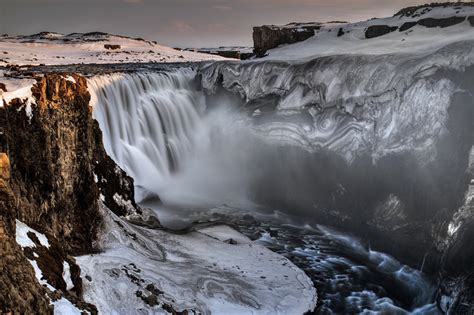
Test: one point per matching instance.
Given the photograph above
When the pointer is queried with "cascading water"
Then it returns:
(149, 122)
(201, 152)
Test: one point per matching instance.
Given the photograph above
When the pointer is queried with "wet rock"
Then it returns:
(151, 300)
(151, 287)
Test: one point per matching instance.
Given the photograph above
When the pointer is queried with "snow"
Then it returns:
(61, 306)
(70, 79)
(197, 271)
(22, 238)
(16, 88)
(39, 275)
(64, 307)
(225, 233)
(353, 42)
(57, 49)
(67, 276)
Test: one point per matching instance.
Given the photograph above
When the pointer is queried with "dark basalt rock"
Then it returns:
(340, 32)
(446, 22)
(471, 20)
(379, 30)
(407, 25)
(115, 185)
(112, 47)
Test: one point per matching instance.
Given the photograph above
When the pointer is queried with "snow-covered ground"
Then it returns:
(57, 49)
(212, 270)
(418, 38)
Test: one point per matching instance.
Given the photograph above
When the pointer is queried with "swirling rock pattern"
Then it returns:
(403, 125)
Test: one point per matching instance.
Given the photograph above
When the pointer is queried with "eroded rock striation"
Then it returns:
(370, 166)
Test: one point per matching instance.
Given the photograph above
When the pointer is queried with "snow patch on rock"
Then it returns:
(65, 307)
(24, 240)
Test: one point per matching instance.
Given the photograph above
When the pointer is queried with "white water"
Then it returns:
(148, 121)
(154, 127)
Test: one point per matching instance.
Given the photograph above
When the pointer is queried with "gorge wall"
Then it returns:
(58, 172)
(383, 145)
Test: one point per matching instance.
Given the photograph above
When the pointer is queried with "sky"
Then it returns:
(183, 23)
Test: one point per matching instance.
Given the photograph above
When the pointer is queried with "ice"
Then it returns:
(65, 307)
(358, 104)
(198, 271)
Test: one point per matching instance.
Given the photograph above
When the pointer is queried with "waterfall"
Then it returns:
(148, 121)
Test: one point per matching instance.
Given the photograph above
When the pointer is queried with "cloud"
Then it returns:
(222, 7)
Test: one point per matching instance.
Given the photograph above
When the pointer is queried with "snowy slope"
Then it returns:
(418, 38)
(57, 49)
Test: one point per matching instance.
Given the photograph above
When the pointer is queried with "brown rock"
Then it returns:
(266, 37)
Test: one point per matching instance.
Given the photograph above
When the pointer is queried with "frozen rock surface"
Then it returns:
(213, 270)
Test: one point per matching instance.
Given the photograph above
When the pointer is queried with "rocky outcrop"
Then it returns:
(53, 177)
(266, 37)
(379, 30)
(416, 11)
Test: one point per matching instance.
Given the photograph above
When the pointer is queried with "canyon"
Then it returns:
(308, 180)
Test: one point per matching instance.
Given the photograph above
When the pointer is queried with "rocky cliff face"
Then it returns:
(58, 172)
(16, 274)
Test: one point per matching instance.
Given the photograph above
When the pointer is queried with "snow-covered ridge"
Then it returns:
(418, 29)
(96, 47)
